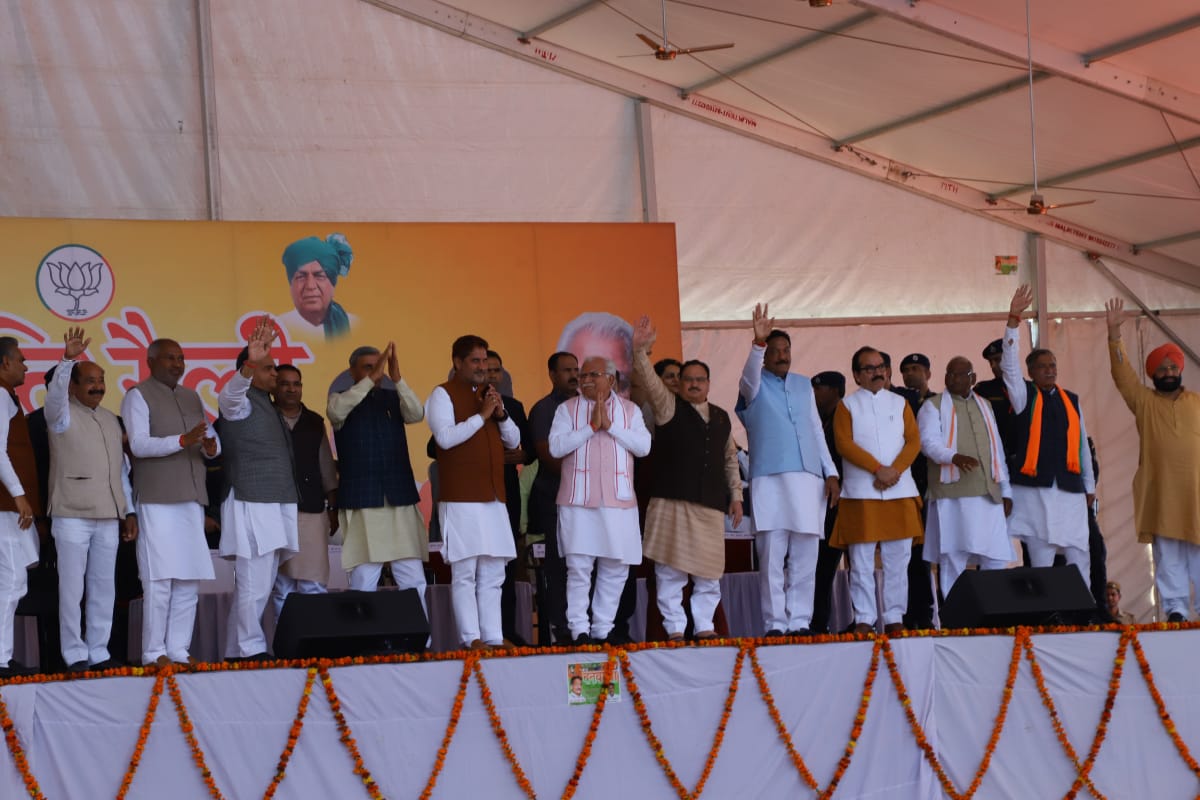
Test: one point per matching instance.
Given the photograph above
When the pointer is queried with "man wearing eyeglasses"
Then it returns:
(969, 493)
(877, 437)
(695, 483)
(597, 434)
(793, 479)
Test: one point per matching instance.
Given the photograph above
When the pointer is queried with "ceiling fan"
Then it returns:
(664, 52)
(1037, 203)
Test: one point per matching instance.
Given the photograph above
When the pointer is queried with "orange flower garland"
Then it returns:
(501, 736)
(1163, 715)
(718, 736)
(597, 713)
(346, 738)
(451, 727)
(189, 733)
(780, 726)
(143, 734)
(1082, 770)
(293, 735)
(18, 753)
(998, 726)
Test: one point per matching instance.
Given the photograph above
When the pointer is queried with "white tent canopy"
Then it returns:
(418, 110)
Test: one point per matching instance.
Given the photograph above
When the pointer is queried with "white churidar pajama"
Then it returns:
(894, 556)
(706, 594)
(87, 556)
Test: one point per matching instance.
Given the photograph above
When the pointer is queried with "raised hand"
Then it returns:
(75, 344)
(1114, 314)
(259, 343)
(1021, 301)
(644, 335)
(763, 324)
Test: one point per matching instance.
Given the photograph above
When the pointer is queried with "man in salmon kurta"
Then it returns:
(1166, 486)
(878, 440)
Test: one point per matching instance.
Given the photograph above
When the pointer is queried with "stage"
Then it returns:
(750, 718)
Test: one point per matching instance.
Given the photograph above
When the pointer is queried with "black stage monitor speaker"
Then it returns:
(346, 624)
(1001, 598)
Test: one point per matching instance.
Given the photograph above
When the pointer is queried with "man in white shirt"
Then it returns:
(91, 503)
(472, 430)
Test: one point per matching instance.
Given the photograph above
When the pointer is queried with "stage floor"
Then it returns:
(1028, 715)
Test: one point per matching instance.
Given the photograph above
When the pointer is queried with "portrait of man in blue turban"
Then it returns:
(313, 267)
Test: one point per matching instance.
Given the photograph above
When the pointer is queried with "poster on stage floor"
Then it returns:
(585, 681)
(330, 287)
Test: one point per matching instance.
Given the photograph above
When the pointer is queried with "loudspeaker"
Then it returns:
(346, 624)
(1001, 598)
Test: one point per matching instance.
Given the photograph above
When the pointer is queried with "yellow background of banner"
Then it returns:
(421, 285)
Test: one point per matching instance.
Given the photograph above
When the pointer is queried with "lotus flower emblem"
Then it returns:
(76, 281)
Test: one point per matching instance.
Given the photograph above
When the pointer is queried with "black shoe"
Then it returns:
(14, 669)
(774, 633)
(618, 639)
(1175, 616)
(583, 640)
(110, 663)
(78, 666)
(800, 632)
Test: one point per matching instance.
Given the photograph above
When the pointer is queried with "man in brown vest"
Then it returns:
(472, 430)
(169, 437)
(19, 501)
(90, 503)
(696, 481)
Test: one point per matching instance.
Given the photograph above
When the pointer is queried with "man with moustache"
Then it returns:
(307, 572)
(169, 439)
(792, 477)
(563, 369)
(969, 493)
(258, 514)
(1166, 502)
(90, 503)
(597, 435)
(878, 440)
(1049, 464)
(472, 430)
(377, 494)
(696, 481)
(19, 501)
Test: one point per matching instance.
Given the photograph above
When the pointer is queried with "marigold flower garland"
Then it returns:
(919, 733)
(18, 753)
(501, 736)
(1082, 770)
(1163, 715)
(585, 752)
(780, 727)
(189, 733)
(718, 736)
(143, 734)
(293, 735)
(346, 737)
(451, 727)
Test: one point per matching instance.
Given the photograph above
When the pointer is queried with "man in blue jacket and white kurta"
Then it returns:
(877, 437)
(793, 479)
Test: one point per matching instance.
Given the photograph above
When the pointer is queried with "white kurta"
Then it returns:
(19, 547)
(973, 525)
(792, 501)
(470, 529)
(600, 532)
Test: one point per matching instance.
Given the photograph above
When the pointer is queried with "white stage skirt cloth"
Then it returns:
(79, 735)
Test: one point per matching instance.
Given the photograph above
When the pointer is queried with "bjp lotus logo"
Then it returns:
(75, 282)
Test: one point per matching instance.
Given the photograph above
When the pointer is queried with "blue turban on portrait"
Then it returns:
(334, 255)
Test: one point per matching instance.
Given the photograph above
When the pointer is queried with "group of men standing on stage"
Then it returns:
(1002, 458)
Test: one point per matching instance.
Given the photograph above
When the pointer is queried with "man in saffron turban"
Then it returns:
(1166, 486)
(313, 268)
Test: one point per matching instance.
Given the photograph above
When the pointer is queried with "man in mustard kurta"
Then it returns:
(1166, 487)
